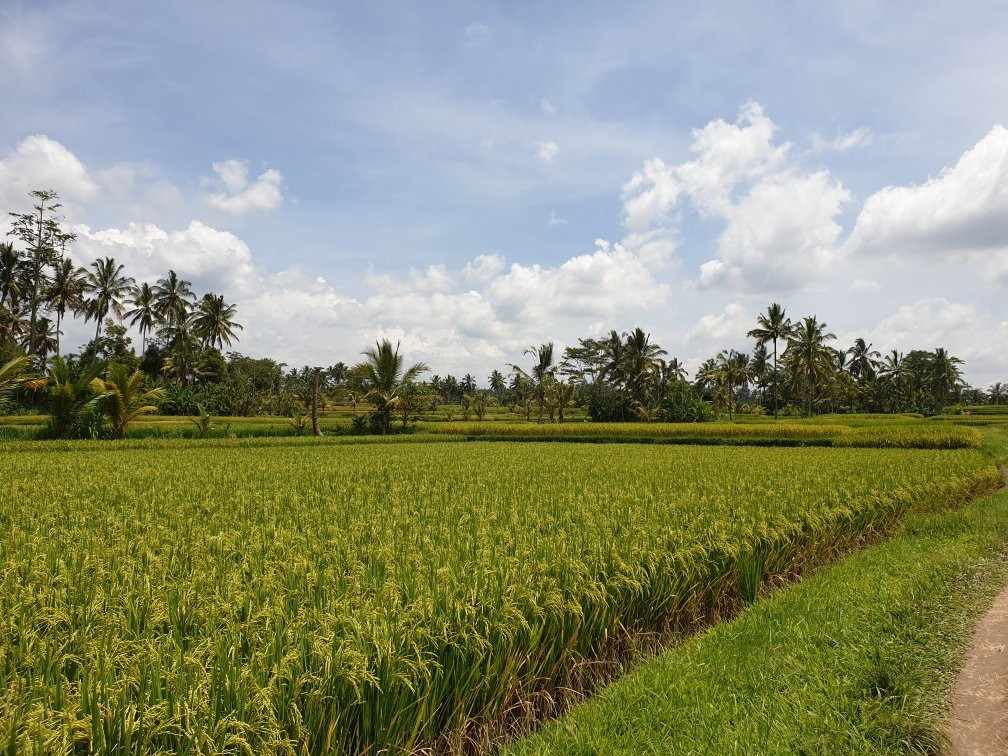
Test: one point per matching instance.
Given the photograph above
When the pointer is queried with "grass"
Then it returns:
(279, 596)
(858, 658)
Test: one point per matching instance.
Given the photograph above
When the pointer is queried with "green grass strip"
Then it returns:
(858, 658)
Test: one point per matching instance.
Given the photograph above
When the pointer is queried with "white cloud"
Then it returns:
(547, 151)
(239, 195)
(547, 107)
(211, 258)
(856, 139)
(727, 153)
(555, 220)
(39, 162)
(780, 227)
(780, 235)
(963, 211)
(965, 329)
(715, 329)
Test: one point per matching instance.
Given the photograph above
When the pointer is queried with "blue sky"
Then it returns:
(472, 178)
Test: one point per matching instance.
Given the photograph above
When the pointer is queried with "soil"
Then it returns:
(979, 723)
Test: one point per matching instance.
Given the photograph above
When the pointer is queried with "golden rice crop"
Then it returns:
(249, 597)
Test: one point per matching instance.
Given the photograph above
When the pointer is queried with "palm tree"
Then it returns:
(996, 393)
(496, 381)
(613, 365)
(945, 373)
(122, 397)
(864, 360)
(893, 370)
(561, 395)
(11, 275)
(759, 369)
(809, 354)
(173, 297)
(772, 326)
(384, 377)
(108, 288)
(144, 312)
(214, 321)
(46, 338)
(639, 361)
(733, 370)
(468, 384)
(66, 291)
(67, 395)
(542, 371)
(11, 376)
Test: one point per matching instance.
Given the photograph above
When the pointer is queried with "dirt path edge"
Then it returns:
(979, 722)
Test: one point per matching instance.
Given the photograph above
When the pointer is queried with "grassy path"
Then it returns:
(858, 658)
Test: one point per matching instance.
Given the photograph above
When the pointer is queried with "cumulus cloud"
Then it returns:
(728, 326)
(780, 234)
(727, 153)
(39, 162)
(965, 329)
(961, 212)
(213, 259)
(547, 151)
(237, 194)
(780, 223)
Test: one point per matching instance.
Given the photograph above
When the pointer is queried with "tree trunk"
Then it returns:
(775, 378)
(314, 404)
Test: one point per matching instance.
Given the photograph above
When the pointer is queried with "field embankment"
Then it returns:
(275, 596)
(857, 658)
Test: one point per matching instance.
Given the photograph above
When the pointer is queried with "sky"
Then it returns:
(472, 179)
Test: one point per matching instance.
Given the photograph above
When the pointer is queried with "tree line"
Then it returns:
(794, 366)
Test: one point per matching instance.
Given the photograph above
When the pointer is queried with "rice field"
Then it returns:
(905, 435)
(326, 597)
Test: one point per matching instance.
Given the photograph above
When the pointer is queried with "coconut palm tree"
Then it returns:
(893, 370)
(733, 370)
(11, 375)
(11, 275)
(214, 323)
(496, 381)
(66, 292)
(542, 371)
(173, 297)
(759, 369)
(560, 395)
(46, 338)
(122, 397)
(639, 361)
(384, 376)
(945, 374)
(613, 365)
(468, 384)
(996, 393)
(108, 289)
(774, 326)
(809, 355)
(144, 313)
(863, 360)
